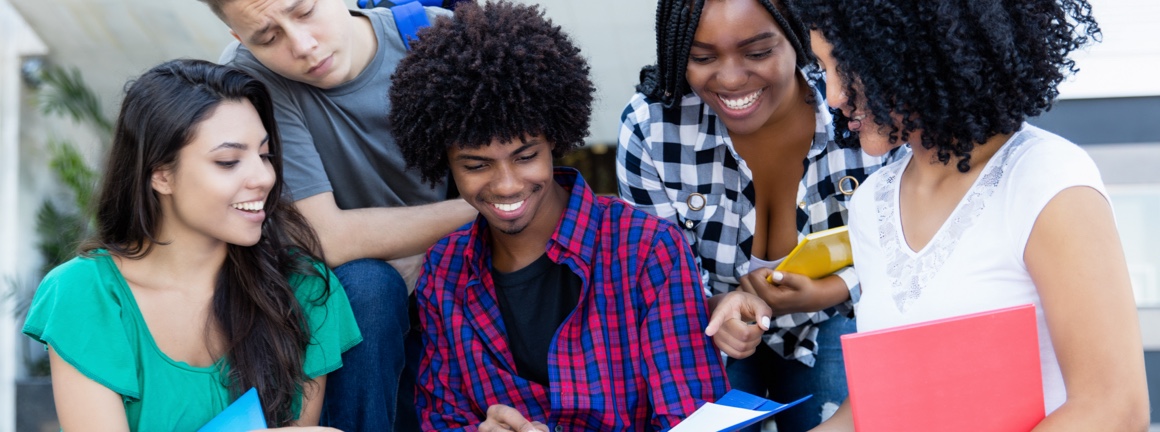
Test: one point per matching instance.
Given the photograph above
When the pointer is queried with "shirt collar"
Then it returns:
(824, 120)
(575, 234)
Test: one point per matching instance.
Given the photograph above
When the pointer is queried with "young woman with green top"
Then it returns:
(201, 282)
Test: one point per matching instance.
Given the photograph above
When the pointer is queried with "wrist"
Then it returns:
(831, 292)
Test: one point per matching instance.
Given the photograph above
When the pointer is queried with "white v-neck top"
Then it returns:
(974, 262)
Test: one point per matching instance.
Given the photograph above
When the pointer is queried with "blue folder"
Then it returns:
(245, 414)
(739, 399)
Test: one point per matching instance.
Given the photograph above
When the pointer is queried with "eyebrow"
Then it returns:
(521, 149)
(743, 43)
(237, 146)
(258, 35)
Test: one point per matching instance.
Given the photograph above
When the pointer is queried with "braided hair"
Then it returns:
(677, 23)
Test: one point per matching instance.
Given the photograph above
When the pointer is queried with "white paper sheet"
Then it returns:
(713, 417)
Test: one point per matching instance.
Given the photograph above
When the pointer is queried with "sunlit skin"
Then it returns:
(512, 186)
(215, 193)
(738, 54)
(744, 68)
(212, 196)
(936, 187)
(316, 42)
(874, 140)
(742, 65)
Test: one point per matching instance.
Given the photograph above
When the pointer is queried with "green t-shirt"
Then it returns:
(86, 312)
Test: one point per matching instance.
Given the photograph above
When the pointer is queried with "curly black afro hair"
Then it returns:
(959, 71)
(501, 71)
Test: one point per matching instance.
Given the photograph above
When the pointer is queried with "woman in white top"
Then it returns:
(988, 211)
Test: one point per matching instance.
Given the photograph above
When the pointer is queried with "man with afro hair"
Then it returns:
(556, 308)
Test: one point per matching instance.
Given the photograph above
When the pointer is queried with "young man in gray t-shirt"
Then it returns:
(328, 69)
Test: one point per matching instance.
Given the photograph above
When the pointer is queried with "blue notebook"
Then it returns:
(712, 417)
(245, 414)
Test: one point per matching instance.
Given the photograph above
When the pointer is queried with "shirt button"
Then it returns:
(802, 205)
(559, 428)
(688, 224)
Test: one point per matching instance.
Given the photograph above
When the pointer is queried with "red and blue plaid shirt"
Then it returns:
(633, 355)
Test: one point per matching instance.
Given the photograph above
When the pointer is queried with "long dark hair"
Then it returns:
(961, 72)
(253, 303)
(677, 23)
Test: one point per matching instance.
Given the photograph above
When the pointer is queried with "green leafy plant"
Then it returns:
(62, 225)
(62, 228)
(67, 95)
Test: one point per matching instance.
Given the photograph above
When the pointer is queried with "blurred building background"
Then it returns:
(1112, 108)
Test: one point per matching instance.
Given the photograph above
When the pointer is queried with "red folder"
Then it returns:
(977, 372)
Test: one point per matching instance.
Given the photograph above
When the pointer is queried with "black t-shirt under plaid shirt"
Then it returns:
(680, 164)
(534, 301)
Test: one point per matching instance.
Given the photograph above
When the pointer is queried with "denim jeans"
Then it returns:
(408, 420)
(365, 393)
(782, 380)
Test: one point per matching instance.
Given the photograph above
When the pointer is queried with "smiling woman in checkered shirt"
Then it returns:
(729, 136)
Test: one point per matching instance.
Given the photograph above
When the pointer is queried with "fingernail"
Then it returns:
(765, 322)
(777, 276)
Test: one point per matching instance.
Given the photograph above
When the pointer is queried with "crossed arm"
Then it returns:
(386, 233)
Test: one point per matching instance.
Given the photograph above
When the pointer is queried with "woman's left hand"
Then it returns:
(791, 292)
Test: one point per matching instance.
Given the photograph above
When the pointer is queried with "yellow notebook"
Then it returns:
(820, 254)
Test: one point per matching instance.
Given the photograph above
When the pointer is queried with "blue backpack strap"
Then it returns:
(368, 4)
(409, 18)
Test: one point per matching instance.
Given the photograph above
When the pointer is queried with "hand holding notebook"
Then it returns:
(819, 254)
(977, 372)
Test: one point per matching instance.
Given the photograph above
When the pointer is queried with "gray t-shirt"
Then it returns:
(339, 140)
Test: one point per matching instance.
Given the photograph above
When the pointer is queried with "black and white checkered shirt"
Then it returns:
(680, 164)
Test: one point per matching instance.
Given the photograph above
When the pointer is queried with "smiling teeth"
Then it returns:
(745, 102)
(251, 206)
(855, 123)
(508, 207)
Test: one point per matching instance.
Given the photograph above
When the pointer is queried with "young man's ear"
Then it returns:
(162, 181)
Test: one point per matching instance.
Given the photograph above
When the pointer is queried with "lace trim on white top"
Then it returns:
(909, 273)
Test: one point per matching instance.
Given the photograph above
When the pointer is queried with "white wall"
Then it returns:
(1125, 63)
(616, 35)
(618, 38)
(16, 41)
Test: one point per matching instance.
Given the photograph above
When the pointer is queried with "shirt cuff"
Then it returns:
(706, 287)
(851, 278)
